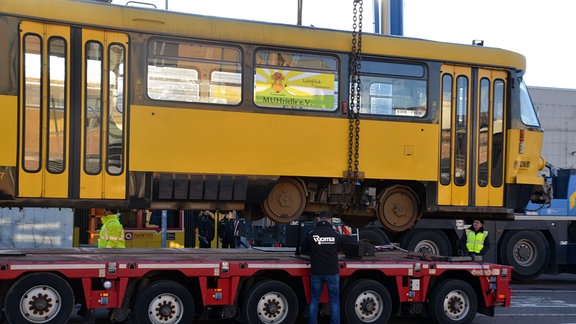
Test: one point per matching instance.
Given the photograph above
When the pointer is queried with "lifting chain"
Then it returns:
(355, 91)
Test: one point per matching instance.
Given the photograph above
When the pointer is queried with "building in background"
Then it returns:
(557, 112)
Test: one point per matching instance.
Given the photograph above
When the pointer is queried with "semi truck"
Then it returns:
(540, 240)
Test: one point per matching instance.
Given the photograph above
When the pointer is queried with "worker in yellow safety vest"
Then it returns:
(475, 241)
(112, 231)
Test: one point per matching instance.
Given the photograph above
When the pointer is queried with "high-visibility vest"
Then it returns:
(475, 241)
(105, 240)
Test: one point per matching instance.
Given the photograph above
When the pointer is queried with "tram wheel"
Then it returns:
(286, 201)
(398, 208)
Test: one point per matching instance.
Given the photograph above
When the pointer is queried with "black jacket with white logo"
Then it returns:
(322, 244)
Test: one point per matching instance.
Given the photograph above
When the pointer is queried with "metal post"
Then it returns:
(299, 12)
(377, 17)
(385, 17)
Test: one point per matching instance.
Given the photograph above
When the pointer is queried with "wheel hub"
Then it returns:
(272, 308)
(40, 304)
(455, 305)
(165, 310)
(368, 306)
(523, 253)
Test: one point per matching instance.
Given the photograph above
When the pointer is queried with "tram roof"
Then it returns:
(128, 18)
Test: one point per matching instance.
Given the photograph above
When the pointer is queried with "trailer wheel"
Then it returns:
(268, 302)
(430, 242)
(163, 302)
(453, 301)
(527, 251)
(366, 301)
(39, 298)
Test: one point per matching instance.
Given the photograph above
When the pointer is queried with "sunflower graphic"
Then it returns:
(277, 80)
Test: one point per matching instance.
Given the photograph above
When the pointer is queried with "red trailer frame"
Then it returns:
(176, 285)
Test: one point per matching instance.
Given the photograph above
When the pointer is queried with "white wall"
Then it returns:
(557, 113)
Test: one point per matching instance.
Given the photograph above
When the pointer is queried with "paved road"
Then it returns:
(548, 299)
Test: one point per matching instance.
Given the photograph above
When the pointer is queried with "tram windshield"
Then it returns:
(527, 111)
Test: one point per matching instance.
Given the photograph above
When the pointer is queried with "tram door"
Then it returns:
(72, 113)
(472, 136)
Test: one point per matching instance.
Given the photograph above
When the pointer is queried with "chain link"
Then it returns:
(355, 94)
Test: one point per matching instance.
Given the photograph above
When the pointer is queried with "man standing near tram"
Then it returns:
(112, 231)
(475, 241)
(322, 244)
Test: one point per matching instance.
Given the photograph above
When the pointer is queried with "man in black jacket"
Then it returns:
(206, 229)
(322, 245)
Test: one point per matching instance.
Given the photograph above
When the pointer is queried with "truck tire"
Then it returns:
(374, 236)
(452, 302)
(366, 301)
(430, 242)
(163, 301)
(527, 251)
(39, 298)
(270, 301)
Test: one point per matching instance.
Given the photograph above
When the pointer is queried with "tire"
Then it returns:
(165, 302)
(270, 301)
(431, 242)
(366, 301)
(39, 298)
(452, 302)
(527, 251)
(374, 236)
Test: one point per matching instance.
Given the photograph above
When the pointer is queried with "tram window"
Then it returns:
(295, 81)
(93, 107)
(380, 99)
(461, 124)
(497, 133)
(484, 122)
(393, 89)
(225, 87)
(394, 97)
(32, 103)
(175, 84)
(115, 141)
(56, 104)
(446, 146)
(194, 72)
(393, 68)
(527, 111)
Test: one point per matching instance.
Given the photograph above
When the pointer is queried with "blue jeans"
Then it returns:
(333, 284)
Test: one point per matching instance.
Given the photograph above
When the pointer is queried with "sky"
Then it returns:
(540, 30)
